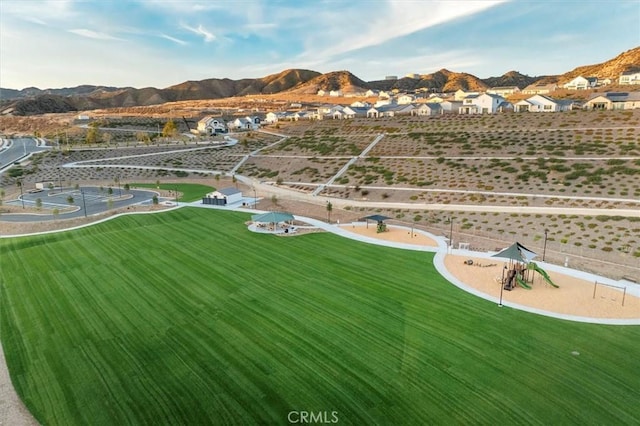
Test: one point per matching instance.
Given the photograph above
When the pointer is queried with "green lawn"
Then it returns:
(190, 191)
(185, 317)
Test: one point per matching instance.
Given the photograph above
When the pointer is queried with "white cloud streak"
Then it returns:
(200, 30)
(173, 39)
(93, 34)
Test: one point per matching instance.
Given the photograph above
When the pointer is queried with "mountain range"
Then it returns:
(32, 100)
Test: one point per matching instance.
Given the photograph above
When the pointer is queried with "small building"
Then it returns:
(223, 196)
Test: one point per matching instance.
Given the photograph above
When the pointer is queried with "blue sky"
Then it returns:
(65, 43)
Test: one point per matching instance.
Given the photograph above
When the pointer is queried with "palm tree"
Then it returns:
(329, 209)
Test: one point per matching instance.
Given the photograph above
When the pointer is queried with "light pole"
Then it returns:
(544, 249)
(21, 195)
(118, 182)
(502, 285)
(84, 204)
(255, 199)
(451, 232)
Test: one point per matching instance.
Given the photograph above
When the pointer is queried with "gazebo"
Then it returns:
(272, 223)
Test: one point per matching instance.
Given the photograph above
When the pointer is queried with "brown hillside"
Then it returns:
(337, 80)
(626, 61)
(511, 78)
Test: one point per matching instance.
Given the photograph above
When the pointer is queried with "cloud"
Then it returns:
(201, 31)
(379, 25)
(173, 39)
(93, 34)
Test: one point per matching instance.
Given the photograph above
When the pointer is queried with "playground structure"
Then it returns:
(521, 268)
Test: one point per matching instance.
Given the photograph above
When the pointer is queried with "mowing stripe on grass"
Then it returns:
(186, 317)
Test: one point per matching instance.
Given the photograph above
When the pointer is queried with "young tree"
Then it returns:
(274, 199)
(110, 203)
(235, 181)
(56, 213)
(70, 200)
(126, 187)
(329, 210)
(93, 135)
(169, 129)
(154, 200)
(2, 193)
(38, 203)
(109, 191)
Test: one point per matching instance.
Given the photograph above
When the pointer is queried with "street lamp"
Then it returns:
(451, 232)
(21, 195)
(118, 182)
(502, 285)
(255, 199)
(84, 204)
(544, 249)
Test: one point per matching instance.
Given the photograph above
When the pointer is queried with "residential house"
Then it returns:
(581, 83)
(428, 109)
(629, 78)
(383, 94)
(614, 100)
(539, 89)
(246, 123)
(322, 93)
(209, 126)
(335, 93)
(449, 106)
(372, 93)
(503, 91)
(361, 104)
(461, 94)
(542, 103)
(483, 104)
(436, 99)
(406, 99)
(353, 112)
(274, 117)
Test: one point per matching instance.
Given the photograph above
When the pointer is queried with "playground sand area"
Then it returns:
(573, 297)
(393, 233)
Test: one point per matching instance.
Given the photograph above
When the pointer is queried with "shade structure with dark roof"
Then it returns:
(376, 217)
(517, 252)
(272, 217)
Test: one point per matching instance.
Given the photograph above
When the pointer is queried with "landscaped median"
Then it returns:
(185, 317)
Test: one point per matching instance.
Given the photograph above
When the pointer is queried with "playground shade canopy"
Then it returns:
(272, 217)
(516, 252)
(376, 217)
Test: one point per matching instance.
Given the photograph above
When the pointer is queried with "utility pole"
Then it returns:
(544, 250)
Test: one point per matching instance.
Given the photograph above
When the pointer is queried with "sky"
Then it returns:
(159, 43)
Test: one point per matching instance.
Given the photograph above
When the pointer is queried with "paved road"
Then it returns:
(17, 149)
(90, 197)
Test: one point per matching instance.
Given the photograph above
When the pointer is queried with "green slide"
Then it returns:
(522, 282)
(544, 274)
